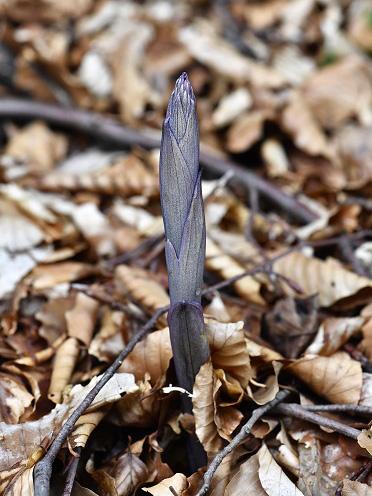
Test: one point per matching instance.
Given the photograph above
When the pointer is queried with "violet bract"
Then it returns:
(184, 224)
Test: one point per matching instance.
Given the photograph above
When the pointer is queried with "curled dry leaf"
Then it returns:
(15, 399)
(49, 275)
(204, 409)
(365, 440)
(269, 389)
(337, 378)
(246, 477)
(150, 356)
(229, 350)
(217, 261)
(333, 333)
(81, 319)
(329, 279)
(355, 488)
(23, 484)
(84, 427)
(178, 482)
(64, 363)
(245, 131)
(231, 106)
(128, 472)
(272, 477)
(142, 286)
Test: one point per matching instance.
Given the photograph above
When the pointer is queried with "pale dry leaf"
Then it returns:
(150, 356)
(178, 482)
(37, 147)
(246, 477)
(235, 244)
(366, 395)
(204, 409)
(41, 11)
(267, 391)
(109, 341)
(84, 426)
(81, 319)
(299, 122)
(359, 27)
(272, 477)
(14, 397)
(337, 378)
(333, 333)
(340, 91)
(63, 366)
(129, 472)
(293, 65)
(49, 275)
(231, 106)
(229, 350)
(142, 286)
(329, 279)
(23, 484)
(355, 488)
(203, 43)
(275, 158)
(217, 309)
(95, 74)
(245, 131)
(365, 440)
(217, 261)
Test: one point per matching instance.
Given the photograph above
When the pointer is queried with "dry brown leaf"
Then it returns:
(204, 389)
(365, 440)
(142, 286)
(41, 11)
(229, 350)
(51, 147)
(269, 389)
(272, 477)
(340, 91)
(109, 341)
(245, 131)
(47, 276)
(64, 363)
(81, 319)
(178, 482)
(84, 427)
(299, 122)
(150, 356)
(337, 378)
(15, 399)
(22, 485)
(128, 472)
(275, 158)
(246, 477)
(216, 260)
(231, 106)
(355, 488)
(329, 279)
(333, 333)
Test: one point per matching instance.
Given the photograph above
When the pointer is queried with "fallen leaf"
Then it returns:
(245, 131)
(355, 488)
(337, 378)
(247, 476)
(81, 319)
(64, 363)
(178, 482)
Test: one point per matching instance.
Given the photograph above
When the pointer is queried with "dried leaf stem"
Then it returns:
(110, 130)
(243, 433)
(43, 469)
(294, 410)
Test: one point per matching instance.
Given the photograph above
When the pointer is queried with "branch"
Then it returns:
(243, 433)
(294, 410)
(43, 468)
(112, 131)
(349, 409)
(71, 474)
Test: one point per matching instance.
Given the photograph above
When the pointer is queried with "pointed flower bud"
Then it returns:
(181, 197)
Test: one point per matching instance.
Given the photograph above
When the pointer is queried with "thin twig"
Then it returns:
(71, 474)
(349, 409)
(294, 410)
(243, 433)
(348, 253)
(43, 468)
(112, 131)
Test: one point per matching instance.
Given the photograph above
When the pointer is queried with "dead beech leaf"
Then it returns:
(108, 341)
(229, 350)
(84, 426)
(51, 147)
(150, 356)
(333, 333)
(272, 477)
(217, 261)
(299, 122)
(231, 106)
(178, 482)
(329, 279)
(204, 409)
(15, 399)
(53, 10)
(355, 488)
(128, 472)
(245, 131)
(81, 319)
(365, 440)
(337, 378)
(142, 286)
(23, 484)
(340, 91)
(64, 363)
(269, 389)
(49, 275)
(246, 477)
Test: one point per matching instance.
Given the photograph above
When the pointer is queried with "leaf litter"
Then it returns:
(284, 89)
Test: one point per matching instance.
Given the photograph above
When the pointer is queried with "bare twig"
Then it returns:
(43, 468)
(71, 474)
(243, 433)
(348, 253)
(349, 409)
(111, 130)
(294, 410)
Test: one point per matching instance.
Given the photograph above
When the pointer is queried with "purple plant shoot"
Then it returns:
(184, 224)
